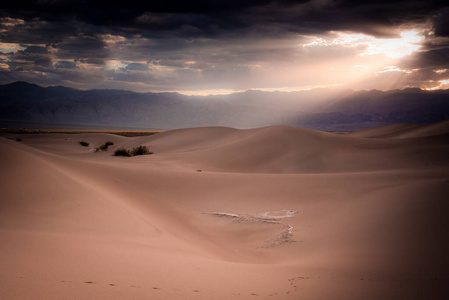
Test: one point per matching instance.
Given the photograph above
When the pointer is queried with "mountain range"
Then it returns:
(26, 105)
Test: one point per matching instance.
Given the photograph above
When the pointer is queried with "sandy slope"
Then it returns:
(404, 130)
(218, 213)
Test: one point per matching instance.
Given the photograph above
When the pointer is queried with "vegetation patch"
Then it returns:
(140, 150)
(122, 152)
(104, 147)
(84, 144)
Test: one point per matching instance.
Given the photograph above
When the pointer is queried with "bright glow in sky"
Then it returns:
(361, 61)
(114, 65)
(207, 92)
(366, 62)
(393, 48)
(441, 84)
(281, 89)
(360, 57)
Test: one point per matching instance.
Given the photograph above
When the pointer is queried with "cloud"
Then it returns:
(86, 49)
(136, 67)
(441, 23)
(10, 22)
(37, 31)
(34, 50)
(62, 64)
(30, 59)
(207, 44)
(213, 18)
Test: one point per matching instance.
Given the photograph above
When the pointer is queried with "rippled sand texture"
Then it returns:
(218, 213)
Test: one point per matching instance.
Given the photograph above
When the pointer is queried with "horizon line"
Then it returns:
(225, 92)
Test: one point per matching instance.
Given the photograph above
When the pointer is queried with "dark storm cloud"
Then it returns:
(434, 53)
(33, 57)
(225, 40)
(38, 31)
(49, 19)
(432, 59)
(136, 67)
(65, 65)
(35, 50)
(441, 23)
(86, 49)
(219, 17)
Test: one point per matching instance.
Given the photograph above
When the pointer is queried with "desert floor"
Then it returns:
(218, 213)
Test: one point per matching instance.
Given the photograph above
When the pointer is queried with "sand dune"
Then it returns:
(218, 213)
(285, 149)
(404, 131)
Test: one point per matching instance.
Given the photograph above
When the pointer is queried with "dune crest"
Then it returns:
(286, 149)
(404, 131)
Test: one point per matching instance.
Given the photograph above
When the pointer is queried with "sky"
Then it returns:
(202, 47)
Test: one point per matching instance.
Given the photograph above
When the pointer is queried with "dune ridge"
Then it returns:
(286, 149)
(218, 213)
(404, 130)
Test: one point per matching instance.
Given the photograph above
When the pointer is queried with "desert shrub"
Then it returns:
(84, 144)
(104, 147)
(18, 139)
(122, 152)
(141, 150)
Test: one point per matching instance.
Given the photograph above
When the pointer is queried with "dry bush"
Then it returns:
(122, 152)
(141, 150)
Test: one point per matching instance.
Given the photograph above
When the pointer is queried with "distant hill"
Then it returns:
(28, 105)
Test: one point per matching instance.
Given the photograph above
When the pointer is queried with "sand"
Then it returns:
(218, 213)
